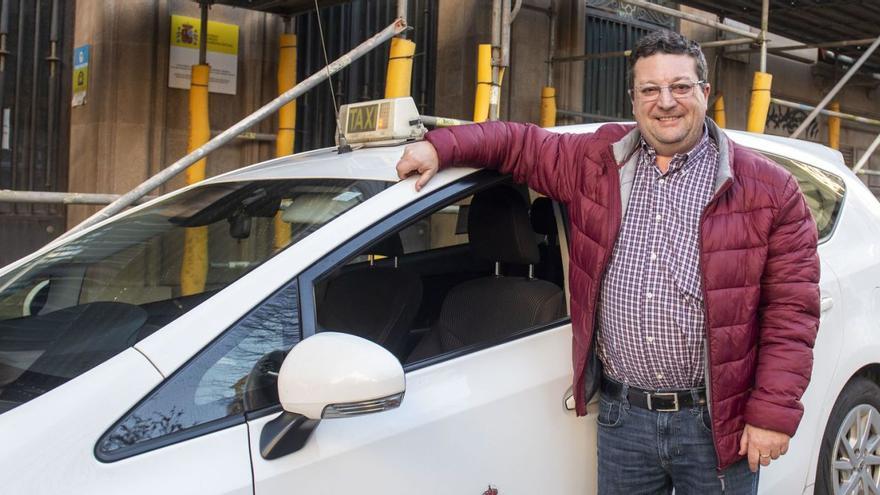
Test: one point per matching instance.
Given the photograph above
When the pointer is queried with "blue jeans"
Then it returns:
(647, 452)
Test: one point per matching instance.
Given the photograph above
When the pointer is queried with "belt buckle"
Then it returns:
(674, 397)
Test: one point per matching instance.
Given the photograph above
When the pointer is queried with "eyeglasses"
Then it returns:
(679, 90)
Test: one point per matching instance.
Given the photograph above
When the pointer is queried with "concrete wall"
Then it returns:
(133, 124)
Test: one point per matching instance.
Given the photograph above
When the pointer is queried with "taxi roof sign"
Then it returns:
(380, 121)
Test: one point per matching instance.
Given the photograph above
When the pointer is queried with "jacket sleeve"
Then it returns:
(548, 162)
(788, 317)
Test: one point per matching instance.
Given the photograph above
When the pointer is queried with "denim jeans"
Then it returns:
(647, 452)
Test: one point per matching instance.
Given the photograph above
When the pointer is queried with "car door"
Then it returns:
(489, 417)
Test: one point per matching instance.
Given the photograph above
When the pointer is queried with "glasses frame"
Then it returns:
(636, 96)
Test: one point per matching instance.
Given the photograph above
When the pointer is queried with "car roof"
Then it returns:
(378, 163)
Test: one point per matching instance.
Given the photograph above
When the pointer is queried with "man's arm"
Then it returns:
(549, 162)
(789, 319)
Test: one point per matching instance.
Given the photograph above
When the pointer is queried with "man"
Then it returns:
(694, 277)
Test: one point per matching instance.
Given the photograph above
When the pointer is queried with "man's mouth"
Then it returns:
(668, 119)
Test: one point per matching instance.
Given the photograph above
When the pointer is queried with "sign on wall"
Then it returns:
(80, 75)
(222, 53)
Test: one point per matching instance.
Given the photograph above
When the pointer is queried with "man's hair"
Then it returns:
(670, 42)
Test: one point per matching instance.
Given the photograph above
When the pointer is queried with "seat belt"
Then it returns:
(562, 238)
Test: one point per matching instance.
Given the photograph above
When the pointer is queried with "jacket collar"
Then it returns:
(626, 147)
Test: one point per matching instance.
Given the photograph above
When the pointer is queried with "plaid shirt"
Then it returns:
(650, 318)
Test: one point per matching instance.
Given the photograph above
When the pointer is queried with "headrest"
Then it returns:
(543, 219)
(498, 227)
(390, 246)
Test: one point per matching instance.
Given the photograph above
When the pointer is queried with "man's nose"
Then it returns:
(666, 100)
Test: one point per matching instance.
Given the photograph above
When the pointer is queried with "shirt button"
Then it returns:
(657, 217)
(649, 339)
(659, 376)
(662, 180)
(653, 256)
(648, 295)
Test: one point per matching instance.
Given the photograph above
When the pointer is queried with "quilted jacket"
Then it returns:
(758, 259)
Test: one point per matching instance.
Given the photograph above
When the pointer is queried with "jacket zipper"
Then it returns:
(711, 394)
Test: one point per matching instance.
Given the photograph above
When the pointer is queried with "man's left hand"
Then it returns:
(762, 445)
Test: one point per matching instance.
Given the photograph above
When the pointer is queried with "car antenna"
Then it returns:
(343, 144)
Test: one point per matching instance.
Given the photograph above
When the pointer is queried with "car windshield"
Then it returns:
(86, 300)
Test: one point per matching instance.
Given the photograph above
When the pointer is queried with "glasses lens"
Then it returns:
(681, 89)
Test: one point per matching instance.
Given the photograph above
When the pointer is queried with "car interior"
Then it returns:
(420, 302)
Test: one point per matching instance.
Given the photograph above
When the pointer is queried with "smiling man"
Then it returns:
(694, 277)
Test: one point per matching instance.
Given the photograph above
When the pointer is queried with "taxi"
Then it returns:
(312, 324)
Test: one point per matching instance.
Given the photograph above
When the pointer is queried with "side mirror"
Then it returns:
(330, 375)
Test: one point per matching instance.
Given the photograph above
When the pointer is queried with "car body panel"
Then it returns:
(494, 417)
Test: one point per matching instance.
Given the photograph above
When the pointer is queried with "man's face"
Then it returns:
(671, 123)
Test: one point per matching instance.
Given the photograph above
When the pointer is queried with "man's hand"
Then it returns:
(419, 158)
(762, 445)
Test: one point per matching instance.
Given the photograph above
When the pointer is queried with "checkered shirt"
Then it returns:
(650, 318)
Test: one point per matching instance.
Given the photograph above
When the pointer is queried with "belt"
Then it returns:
(652, 400)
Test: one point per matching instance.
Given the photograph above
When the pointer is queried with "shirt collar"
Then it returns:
(680, 160)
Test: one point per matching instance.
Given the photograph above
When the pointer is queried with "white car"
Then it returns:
(430, 343)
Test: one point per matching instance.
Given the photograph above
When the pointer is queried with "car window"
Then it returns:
(87, 300)
(823, 192)
(432, 288)
(235, 374)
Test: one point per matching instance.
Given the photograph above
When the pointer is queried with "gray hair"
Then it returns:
(670, 42)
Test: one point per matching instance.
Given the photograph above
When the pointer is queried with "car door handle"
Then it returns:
(826, 304)
(568, 400)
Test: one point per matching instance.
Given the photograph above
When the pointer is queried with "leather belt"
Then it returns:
(654, 400)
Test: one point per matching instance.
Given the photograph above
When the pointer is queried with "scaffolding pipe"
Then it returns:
(626, 53)
(804, 46)
(830, 113)
(548, 107)
(867, 156)
(401, 14)
(594, 116)
(4, 32)
(442, 121)
(284, 144)
(759, 104)
(836, 89)
(203, 34)
(398, 79)
(66, 198)
(693, 18)
(495, 87)
(834, 127)
(484, 83)
(718, 112)
(194, 265)
(551, 49)
(765, 20)
(268, 109)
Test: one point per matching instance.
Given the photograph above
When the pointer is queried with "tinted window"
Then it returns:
(823, 192)
(87, 300)
(235, 374)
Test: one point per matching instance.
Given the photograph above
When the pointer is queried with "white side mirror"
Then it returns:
(331, 375)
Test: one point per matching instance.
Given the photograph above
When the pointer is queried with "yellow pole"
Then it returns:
(398, 80)
(194, 269)
(484, 83)
(834, 127)
(286, 120)
(760, 103)
(718, 114)
(548, 106)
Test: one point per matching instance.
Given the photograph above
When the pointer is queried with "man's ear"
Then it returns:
(707, 89)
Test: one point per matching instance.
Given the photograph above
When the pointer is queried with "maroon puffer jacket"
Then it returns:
(760, 269)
